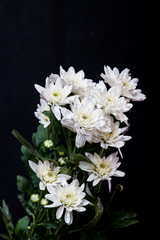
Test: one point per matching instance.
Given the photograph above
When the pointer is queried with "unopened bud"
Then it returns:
(61, 161)
(44, 202)
(34, 197)
(48, 143)
(61, 154)
(119, 188)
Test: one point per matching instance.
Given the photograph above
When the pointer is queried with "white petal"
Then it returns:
(41, 186)
(109, 185)
(68, 217)
(33, 165)
(80, 140)
(91, 178)
(59, 212)
(85, 166)
(96, 181)
(119, 173)
(56, 112)
(81, 209)
(39, 88)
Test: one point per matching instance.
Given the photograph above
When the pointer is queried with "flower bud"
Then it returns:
(61, 161)
(48, 143)
(61, 154)
(44, 202)
(119, 188)
(34, 197)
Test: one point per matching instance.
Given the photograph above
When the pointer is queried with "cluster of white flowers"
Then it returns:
(96, 113)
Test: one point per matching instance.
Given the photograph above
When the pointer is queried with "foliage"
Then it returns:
(71, 156)
(40, 220)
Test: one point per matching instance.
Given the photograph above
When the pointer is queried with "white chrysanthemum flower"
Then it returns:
(48, 174)
(68, 197)
(43, 119)
(84, 119)
(101, 168)
(78, 81)
(115, 137)
(55, 94)
(111, 101)
(124, 82)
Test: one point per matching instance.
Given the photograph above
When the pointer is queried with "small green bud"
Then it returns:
(61, 154)
(44, 202)
(34, 197)
(61, 161)
(48, 143)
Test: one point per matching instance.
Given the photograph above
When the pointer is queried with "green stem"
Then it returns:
(118, 188)
(58, 230)
(36, 215)
(101, 152)
(98, 187)
(53, 133)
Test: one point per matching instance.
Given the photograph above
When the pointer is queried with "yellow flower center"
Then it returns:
(49, 177)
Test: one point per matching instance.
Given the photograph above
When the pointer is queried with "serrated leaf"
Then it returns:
(21, 227)
(124, 218)
(120, 219)
(24, 185)
(40, 136)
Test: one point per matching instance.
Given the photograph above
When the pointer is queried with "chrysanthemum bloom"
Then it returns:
(55, 94)
(124, 82)
(68, 197)
(48, 174)
(43, 119)
(84, 118)
(114, 138)
(101, 168)
(112, 102)
(80, 84)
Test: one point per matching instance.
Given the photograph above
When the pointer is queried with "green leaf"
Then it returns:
(65, 170)
(5, 210)
(47, 113)
(5, 236)
(49, 225)
(24, 142)
(21, 228)
(7, 219)
(79, 157)
(124, 218)
(24, 185)
(40, 136)
(119, 219)
(98, 207)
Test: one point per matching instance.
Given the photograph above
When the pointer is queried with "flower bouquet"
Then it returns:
(73, 157)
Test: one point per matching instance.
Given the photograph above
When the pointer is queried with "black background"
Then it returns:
(36, 37)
